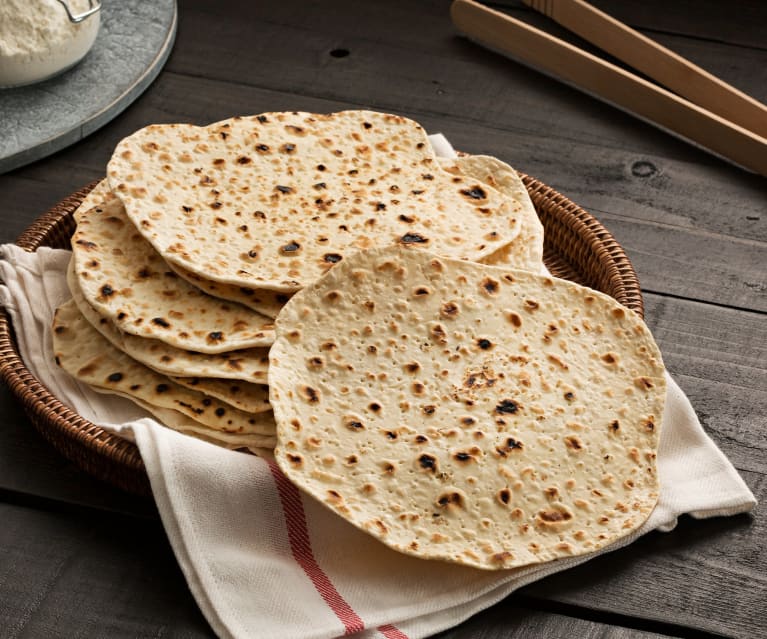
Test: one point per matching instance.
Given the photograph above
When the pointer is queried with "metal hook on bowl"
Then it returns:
(75, 18)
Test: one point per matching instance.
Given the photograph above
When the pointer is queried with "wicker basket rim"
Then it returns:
(117, 460)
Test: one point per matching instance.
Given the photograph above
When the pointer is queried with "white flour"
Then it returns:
(37, 40)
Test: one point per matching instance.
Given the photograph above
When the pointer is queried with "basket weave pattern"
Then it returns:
(577, 248)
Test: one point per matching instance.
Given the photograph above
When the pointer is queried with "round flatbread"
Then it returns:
(250, 365)
(526, 251)
(251, 398)
(96, 196)
(86, 355)
(254, 443)
(268, 303)
(273, 201)
(126, 281)
(463, 412)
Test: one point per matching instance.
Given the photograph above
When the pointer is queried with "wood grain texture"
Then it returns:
(387, 63)
(514, 621)
(647, 582)
(691, 227)
(90, 575)
(33, 471)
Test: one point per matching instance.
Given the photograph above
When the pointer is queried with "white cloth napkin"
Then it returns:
(264, 560)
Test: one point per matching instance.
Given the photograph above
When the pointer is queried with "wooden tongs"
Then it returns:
(711, 113)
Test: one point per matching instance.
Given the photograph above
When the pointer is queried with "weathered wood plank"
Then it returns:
(427, 70)
(707, 574)
(32, 470)
(123, 573)
(509, 620)
(90, 575)
(695, 230)
(702, 19)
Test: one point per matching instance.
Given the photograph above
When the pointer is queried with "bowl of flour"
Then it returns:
(38, 40)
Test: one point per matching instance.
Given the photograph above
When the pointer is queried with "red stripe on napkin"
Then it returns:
(301, 547)
(391, 632)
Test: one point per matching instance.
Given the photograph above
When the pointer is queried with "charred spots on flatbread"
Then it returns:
(467, 456)
(309, 394)
(507, 407)
(484, 343)
(514, 319)
(428, 463)
(490, 286)
(353, 423)
(414, 238)
(291, 249)
(295, 459)
(508, 446)
(388, 467)
(531, 305)
(644, 383)
(453, 500)
(315, 363)
(438, 333)
(420, 291)
(553, 517)
(475, 192)
(449, 310)
(332, 258)
(610, 358)
(214, 337)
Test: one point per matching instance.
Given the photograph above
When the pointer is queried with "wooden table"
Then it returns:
(80, 559)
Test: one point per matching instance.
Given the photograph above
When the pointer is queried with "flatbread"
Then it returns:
(526, 251)
(268, 303)
(126, 281)
(457, 411)
(249, 365)
(273, 201)
(181, 423)
(95, 197)
(90, 358)
(251, 398)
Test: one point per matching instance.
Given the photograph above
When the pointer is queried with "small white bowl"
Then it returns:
(19, 68)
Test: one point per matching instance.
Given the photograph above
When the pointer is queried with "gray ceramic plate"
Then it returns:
(133, 43)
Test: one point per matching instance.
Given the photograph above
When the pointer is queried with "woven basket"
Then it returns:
(577, 248)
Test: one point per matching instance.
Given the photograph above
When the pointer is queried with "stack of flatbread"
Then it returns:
(188, 250)
(325, 287)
